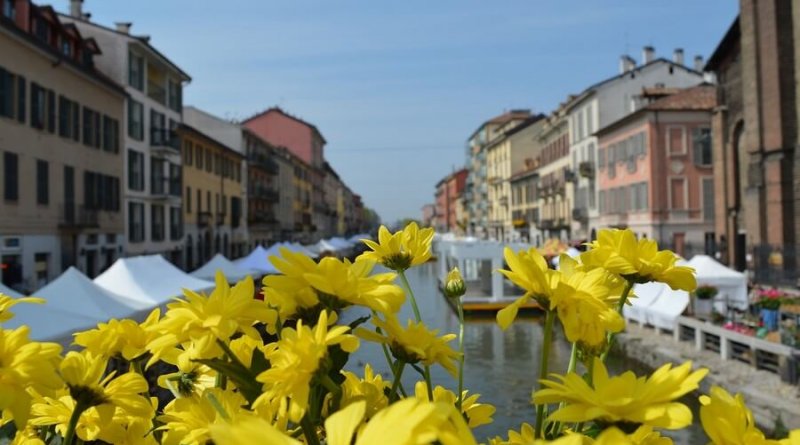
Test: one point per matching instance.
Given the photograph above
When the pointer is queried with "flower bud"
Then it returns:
(454, 286)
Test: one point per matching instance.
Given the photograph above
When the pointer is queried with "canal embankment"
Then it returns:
(765, 393)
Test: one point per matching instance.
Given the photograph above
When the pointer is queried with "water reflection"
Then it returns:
(501, 366)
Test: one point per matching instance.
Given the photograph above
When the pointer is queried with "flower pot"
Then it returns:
(703, 308)
(770, 319)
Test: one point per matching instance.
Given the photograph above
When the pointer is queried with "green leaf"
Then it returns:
(244, 380)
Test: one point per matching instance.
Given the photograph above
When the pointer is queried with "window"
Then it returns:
(7, 84)
(157, 127)
(209, 161)
(136, 71)
(10, 177)
(41, 29)
(708, 199)
(65, 115)
(199, 202)
(135, 222)
(91, 128)
(188, 200)
(701, 143)
(174, 179)
(38, 106)
(66, 47)
(158, 180)
(676, 141)
(157, 222)
(135, 170)
(110, 134)
(42, 182)
(21, 99)
(135, 120)
(174, 99)
(199, 156)
(188, 152)
(175, 224)
(10, 9)
(677, 193)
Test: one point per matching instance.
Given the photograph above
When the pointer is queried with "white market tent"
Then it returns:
(8, 291)
(149, 279)
(355, 239)
(258, 260)
(572, 252)
(232, 272)
(48, 323)
(341, 242)
(731, 285)
(669, 305)
(325, 246)
(297, 247)
(646, 295)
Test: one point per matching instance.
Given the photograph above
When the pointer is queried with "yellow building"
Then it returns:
(553, 194)
(303, 226)
(213, 198)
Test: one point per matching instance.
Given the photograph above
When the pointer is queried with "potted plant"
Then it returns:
(768, 302)
(704, 300)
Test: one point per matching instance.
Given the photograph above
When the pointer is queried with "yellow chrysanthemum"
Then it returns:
(399, 251)
(414, 343)
(7, 302)
(454, 286)
(290, 292)
(580, 301)
(350, 284)
(612, 436)
(407, 422)
(793, 439)
(475, 413)
(638, 261)
(124, 338)
(297, 358)
(624, 398)
(191, 378)
(24, 366)
(527, 269)
(727, 420)
(204, 320)
(250, 430)
(187, 421)
(83, 374)
(27, 436)
(371, 389)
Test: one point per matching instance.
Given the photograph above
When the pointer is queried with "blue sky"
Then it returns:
(396, 87)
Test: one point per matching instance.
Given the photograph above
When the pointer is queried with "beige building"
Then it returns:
(60, 151)
(553, 194)
(213, 202)
(515, 141)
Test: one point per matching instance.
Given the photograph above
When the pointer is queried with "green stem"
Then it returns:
(330, 385)
(460, 394)
(428, 382)
(548, 335)
(386, 353)
(398, 373)
(69, 438)
(620, 305)
(573, 363)
(309, 431)
(410, 294)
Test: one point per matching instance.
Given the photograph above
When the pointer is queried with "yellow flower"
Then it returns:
(204, 320)
(83, 374)
(371, 390)
(24, 366)
(407, 422)
(349, 283)
(611, 436)
(124, 338)
(580, 301)
(727, 420)
(637, 261)
(454, 286)
(297, 358)
(793, 439)
(624, 398)
(406, 248)
(413, 344)
(191, 378)
(7, 302)
(289, 292)
(475, 413)
(187, 421)
(528, 270)
(249, 430)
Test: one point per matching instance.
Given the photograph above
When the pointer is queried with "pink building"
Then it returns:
(281, 129)
(448, 190)
(655, 171)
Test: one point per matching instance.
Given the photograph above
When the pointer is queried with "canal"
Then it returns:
(500, 366)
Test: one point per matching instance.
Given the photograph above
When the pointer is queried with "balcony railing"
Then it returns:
(265, 163)
(221, 219)
(164, 140)
(580, 214)
(165, 188)
(203, 219)
(157, 92)
(267, 193)
(262, 217)
(77, 217)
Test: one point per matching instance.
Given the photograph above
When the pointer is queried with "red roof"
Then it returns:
(701, 97)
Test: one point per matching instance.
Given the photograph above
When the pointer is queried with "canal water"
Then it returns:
(500, 366)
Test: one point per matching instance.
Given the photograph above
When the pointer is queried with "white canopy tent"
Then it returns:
(572, 252)
(669, 305)
(149, 279)
(297, 247)
(341, 242)
(8, 291)
(49, 323)
(231, 271)
(355, 239)
(325, 246)
(731, 285)
(646, 295)
(258, 260)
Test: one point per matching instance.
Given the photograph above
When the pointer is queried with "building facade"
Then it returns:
(60, 150)
(448, 191)
(263, 195)
(655, 172)
(152, 151)
(213, 202)
(554, 197)
(604, 103)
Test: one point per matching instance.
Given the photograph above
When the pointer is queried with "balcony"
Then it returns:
(165, 188)
(77, 217)
(503, 200)
(221, 219)
(264, 163)
(569, 176)
(580, 214)
(263, 192)
(586, 169)
(157, 92)
(203, 219)
(164, 141)
(262, 217)
(546, 224)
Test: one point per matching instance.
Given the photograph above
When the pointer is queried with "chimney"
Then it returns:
(124, 27)
(76, 8)
(648, 54)
(626, 63)
(677, 56)
(699, 65)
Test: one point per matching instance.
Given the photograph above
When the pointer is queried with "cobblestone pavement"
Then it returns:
(765, 393)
